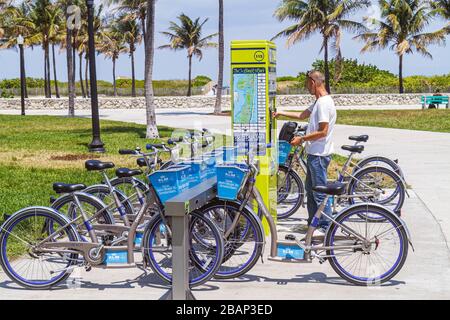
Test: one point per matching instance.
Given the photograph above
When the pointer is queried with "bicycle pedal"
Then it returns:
(290, 237)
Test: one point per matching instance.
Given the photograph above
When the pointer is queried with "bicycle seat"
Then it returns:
(357, 149)
(60, 187)
(92, 165)
(125, 172)
(333, 188)
(361, 138)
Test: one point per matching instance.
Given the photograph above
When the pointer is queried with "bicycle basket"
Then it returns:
(211, 159)
(287, 131)
(196, 172)
(230, 179)
(284, 148)
(229, 154)
(170, 182)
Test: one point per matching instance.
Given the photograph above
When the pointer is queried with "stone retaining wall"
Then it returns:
(208, 101)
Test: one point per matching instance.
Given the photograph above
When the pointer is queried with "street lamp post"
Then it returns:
(96, 145)
(20, 41)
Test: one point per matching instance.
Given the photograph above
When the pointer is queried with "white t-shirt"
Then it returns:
(323, 110)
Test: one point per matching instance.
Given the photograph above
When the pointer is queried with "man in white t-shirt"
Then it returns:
(318, 140)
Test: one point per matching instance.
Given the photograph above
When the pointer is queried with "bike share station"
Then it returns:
(253, 70)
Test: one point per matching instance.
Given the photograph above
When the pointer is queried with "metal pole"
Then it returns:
(96, 145)
(22, 80)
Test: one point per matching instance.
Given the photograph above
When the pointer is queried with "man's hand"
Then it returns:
(297, 141)
(275, 114)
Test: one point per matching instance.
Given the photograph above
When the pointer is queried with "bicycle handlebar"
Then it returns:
(127, 152)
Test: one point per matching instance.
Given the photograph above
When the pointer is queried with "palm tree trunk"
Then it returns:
(133, 77)
(400, 74)
(114, 76)
(326, 66)
(149, 43)
(74, 60)
(47, 61)
(45, 75)
(80, 68)
(54, 71)
(71, 83)
(189, 93)
(218, 105)
(86, 74)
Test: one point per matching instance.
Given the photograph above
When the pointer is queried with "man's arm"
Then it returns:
(293, 115)
(319, 134)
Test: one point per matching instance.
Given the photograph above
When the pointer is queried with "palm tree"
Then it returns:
(188, 35)
(132, 36)
(218, 105)
(401, 30)
(56, 15)
(441, 7)
(149, 44)
(112, 45)
(328, 17)
(16, 22)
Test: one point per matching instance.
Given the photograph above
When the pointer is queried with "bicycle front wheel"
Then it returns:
(379, 257)
(291, 192)
(208, 252)
(25, 261)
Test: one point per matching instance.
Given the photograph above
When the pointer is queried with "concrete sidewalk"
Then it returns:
(425, 275)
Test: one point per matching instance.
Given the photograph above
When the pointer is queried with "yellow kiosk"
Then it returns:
(253, 90)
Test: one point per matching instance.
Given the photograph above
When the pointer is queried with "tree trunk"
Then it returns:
(45, 74)
(189, 93)
(133, 77)
(400, 74)
(80, 68)
(114, 76)
(71, 83)
(47, 60)
(149, 43)
(218, 105)
(74, 60)
(326, 67)
(54, 71)
(86, 74)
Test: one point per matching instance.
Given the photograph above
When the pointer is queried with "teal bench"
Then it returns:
(436, 100)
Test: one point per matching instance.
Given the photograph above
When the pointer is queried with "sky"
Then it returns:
(244, 20)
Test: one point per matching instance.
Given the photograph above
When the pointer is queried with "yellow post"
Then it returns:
(253, 90)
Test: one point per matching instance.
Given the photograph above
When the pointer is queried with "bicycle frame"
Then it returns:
(127, 233)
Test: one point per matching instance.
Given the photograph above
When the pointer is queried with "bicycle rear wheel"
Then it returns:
(383, 254)
(378, 185)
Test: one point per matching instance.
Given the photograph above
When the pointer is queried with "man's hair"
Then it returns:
(317, 76)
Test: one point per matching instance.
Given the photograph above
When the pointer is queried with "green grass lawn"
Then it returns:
(36, 151)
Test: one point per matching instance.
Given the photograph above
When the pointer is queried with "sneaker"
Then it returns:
(300, 228)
